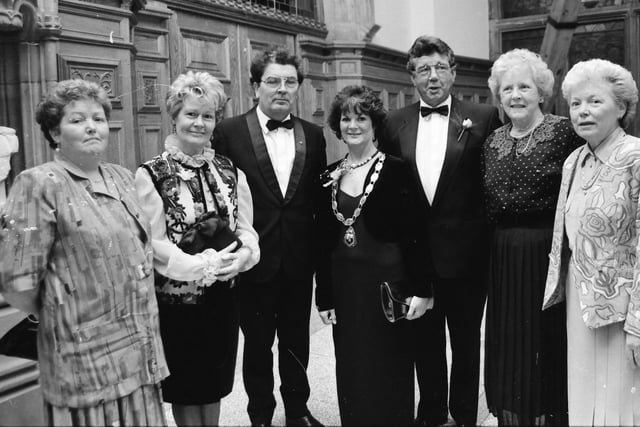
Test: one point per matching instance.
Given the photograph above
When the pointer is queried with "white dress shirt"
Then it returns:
(281, 146)
(431, 146)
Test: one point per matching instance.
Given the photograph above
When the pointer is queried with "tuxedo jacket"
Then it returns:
(285, 224)
(390, 215)
(454, 228)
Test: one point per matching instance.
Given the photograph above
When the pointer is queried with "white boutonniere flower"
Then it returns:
(466, 125)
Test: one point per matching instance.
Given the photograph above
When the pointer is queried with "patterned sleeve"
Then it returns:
(28, 231)
(632, 321)
(245, 231)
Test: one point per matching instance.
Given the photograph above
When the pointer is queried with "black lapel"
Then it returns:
(262, 155)
(454, 151)
(408, 137)
(299, 159)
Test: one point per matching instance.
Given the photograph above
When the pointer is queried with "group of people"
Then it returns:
(439, 200)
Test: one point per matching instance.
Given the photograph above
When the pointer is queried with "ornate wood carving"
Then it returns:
(97, 70)
(207, 52)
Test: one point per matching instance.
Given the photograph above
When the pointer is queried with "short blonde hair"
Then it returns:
(198, 84)
(542, 75)
(623, 86)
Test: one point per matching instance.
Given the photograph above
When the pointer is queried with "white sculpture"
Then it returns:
(8, 145)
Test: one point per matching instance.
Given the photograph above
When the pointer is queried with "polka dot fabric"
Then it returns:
(522, 176)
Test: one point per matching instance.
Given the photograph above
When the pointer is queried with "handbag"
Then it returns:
(21, 340)
(210, 231)
(394, 304)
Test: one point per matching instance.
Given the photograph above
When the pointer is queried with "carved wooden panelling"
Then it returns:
(152, 144)
(207, 52)
(256, 47)
(94, 24)
(148, 92)
(97, 70)
(149, 43)
(116, 151)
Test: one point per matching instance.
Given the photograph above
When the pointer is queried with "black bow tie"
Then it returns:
(274, 124)
(443, 110)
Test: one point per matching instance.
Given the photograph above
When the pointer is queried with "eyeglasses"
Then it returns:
(276, 82)
(425, 70)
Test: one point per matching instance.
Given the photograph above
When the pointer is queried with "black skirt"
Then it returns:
(200, 343)
(525, 347)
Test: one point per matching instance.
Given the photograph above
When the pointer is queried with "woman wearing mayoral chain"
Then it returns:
(368, 218)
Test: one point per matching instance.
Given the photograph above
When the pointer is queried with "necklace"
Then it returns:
(529, 131)
(348, 167)
(521, 152)
(350, 234)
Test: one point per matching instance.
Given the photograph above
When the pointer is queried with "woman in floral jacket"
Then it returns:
(195, 292)
(595, 253)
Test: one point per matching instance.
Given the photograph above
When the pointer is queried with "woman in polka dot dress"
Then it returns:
(525, 349)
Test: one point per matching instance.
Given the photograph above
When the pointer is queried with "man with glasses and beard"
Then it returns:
(441, 139)
(282, 157)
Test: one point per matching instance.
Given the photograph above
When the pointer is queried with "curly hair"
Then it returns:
(542, 75)
(273, 55)
(199, 84)
(427, 45)
(623, 87)
(359, 100)
(50, 111)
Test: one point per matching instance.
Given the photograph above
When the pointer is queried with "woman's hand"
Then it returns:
(633, 349)
(328, 317)
(232, 262)
(418, 306)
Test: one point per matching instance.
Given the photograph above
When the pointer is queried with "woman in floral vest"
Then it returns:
(195, 292)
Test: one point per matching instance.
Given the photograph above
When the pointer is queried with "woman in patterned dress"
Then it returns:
(198, 319)
(76, 252)
(524, 358)
(595, 252)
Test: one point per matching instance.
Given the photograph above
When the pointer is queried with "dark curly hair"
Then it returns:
(273, 55)
(51, 110)
(360, 100)
(427, 45)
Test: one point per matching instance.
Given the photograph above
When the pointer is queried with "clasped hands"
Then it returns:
(418, 306)
(224, 264)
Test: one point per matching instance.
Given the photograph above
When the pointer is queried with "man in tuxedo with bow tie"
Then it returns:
(441, 139)
(282, 157)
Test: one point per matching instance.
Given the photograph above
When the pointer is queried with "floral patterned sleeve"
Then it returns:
(168, 259)
(28, 232)
(245, 231)
(632, 321)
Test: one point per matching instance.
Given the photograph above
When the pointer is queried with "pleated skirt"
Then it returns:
(604, 387)
(143, 407)
(525, 347)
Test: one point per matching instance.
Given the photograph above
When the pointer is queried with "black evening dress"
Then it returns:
(374, 363)
(374, 369)
(525, 347)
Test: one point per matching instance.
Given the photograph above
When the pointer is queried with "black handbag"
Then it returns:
(210, 231)
(394, 304)
(21, 340)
